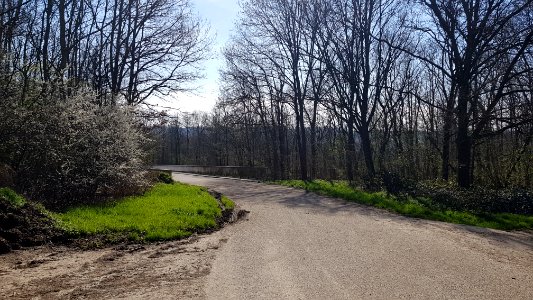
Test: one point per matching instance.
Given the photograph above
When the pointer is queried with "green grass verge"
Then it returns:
(167, 211)
(413, 207)
(228, 204)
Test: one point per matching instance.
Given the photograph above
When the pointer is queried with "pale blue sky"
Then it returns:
(220, 15)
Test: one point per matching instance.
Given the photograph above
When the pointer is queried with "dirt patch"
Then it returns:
(228, 215)
(174, 270)
(25, 226)
(89, 268)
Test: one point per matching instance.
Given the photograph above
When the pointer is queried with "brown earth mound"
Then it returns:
(25, 226)
(7, 176)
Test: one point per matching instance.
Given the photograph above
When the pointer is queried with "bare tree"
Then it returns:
(485, 40)
(359, 65)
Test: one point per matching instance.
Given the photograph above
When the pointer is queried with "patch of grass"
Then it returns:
(12, 197)
(228, 204)
(421, 207)
(167, 211)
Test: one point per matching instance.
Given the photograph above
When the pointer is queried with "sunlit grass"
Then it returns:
(167, 211)
(413, 207)
(228, 204)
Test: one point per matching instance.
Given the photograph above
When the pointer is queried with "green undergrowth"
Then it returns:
(167, 211)
(12, 197)
(419, 207)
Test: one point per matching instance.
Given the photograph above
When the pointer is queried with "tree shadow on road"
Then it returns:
(292, 198)
(520, 240)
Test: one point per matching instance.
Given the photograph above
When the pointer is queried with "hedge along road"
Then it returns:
(298, 245)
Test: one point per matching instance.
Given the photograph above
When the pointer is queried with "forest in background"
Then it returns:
(416, 89)
(354, 89)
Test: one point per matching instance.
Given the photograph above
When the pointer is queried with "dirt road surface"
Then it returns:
(293, 245)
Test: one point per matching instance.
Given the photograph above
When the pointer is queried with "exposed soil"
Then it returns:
(25, 226)
(170, 270)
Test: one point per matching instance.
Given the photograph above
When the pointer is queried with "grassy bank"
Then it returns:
(167, 211)
(413, 207)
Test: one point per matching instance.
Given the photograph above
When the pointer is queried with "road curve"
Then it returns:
(297, 245)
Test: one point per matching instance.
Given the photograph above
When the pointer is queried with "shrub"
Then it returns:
(165, 177)
(372, 183)
(73, 150)
(394, 184)
(477, 199)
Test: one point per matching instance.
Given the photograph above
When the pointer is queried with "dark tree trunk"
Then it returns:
(463, 141)
(447, 128)
(313, 138)
(63, 37)
(302, 145)
(350, 151)
(300, 128)
(313, 152)
(367, 150)
(46, 39)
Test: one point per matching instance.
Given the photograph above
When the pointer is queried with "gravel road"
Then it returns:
(293, 245)
(297, 245)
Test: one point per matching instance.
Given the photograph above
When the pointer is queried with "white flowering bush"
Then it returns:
(73, 150)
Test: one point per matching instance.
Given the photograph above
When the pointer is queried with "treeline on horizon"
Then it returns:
(426, 89)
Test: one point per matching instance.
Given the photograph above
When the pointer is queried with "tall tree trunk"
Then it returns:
(274, 140)
(463, 140)
(367, 150)
(447, 128)
(350, 150)
(313, 152)
(302, 145)
(300, 128)
(46, 39)
(63, 37)
(313, 138)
